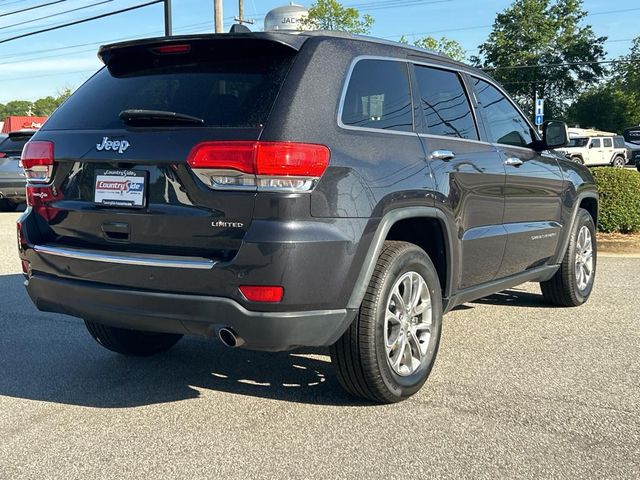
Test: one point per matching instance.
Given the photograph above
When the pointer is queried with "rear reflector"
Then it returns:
(37, 161)
(264, 294)
(273, 166)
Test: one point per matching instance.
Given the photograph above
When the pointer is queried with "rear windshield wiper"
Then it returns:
(131, 117)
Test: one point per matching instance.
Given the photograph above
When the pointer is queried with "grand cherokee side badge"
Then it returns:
(114, 145)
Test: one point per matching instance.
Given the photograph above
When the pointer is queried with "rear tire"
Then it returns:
(389, 350)
(7, 205)
(570, 286)
(578, 160)
(618, 162)
(131, 342)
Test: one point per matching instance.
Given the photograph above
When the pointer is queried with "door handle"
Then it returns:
(513, 162)
(443, 154)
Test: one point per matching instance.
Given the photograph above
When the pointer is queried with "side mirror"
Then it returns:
(554, 134)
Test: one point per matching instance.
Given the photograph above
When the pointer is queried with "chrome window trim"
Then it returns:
(343, 96)
(452, 68)
(457, 139)
(99, 256)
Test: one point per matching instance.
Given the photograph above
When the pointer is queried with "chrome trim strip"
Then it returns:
(457, 139)
(97, 256)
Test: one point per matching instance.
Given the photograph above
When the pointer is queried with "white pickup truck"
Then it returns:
(594, 151)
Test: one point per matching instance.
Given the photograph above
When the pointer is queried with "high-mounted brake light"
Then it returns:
(264, 294)
(172, 49)
(37, 161)
(270, 166)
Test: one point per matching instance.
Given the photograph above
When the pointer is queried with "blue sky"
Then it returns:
(43, 64)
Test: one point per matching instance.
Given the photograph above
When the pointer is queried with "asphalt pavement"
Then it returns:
(519, 390)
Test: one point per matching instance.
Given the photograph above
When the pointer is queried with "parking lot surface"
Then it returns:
(519, 390)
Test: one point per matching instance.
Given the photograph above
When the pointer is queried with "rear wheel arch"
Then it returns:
(401, 225)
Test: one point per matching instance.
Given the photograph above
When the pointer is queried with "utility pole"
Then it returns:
(240, 18)
(167, 18)
(217, 9)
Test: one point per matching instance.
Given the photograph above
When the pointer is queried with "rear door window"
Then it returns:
(225, 88)
(608, 143)
(595, 143)
(444, 103)
(378, 96)
(506, 125)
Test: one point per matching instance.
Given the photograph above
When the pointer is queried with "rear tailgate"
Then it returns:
(230, 85)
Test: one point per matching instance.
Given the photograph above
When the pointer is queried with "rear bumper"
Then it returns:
(187, 314)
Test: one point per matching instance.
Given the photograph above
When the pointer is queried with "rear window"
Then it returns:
(13, 146)
(226, 88)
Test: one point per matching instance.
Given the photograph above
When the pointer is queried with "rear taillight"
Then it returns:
(265, 166)
(2, 154)
(37, 161)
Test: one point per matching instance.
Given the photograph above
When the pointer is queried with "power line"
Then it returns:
(477, 27)
(567, 64)
(31, 8)
(84, 20)
(55, 14)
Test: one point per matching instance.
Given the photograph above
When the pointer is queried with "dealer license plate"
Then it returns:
(121, 188)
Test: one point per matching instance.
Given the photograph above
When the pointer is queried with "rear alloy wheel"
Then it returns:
(131, 342)
(619, 162)
(573, 282)
(389, 350)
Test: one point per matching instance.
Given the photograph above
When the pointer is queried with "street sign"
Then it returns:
(539, 111)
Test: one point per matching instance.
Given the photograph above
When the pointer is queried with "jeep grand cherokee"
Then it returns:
(280, 190)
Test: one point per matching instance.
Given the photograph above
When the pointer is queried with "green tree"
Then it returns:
(331, 15)
(542, 46)
(614, 104)
(605, 107)
(41, 107)
(444, 46)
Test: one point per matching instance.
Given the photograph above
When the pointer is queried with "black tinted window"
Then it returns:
(378, 96)
(224, 90)
(445, 104)
(506, 124)
(607, 142)
(13, 146)
(595, 143)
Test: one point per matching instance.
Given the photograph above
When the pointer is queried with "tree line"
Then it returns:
(42, 107)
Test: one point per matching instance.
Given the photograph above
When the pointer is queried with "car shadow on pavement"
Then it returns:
(515, 298)
(52, 358)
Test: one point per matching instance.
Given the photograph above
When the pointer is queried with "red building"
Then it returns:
(14, 123)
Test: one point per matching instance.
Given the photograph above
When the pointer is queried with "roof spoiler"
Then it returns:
(107, 53)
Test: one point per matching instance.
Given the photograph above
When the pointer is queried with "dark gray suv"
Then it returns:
(280, 190)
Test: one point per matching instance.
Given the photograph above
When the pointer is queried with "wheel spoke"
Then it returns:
(407, 292)
(415, 346)
(417, 292)
(398, 300)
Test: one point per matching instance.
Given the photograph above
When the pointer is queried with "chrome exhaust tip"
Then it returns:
(229, 338)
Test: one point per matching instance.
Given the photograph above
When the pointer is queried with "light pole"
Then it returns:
(167, 18)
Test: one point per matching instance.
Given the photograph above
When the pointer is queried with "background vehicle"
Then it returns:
(12, 180)
(214, 192)
(593, 151)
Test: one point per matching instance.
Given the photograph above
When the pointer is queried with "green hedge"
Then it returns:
(619, 190)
